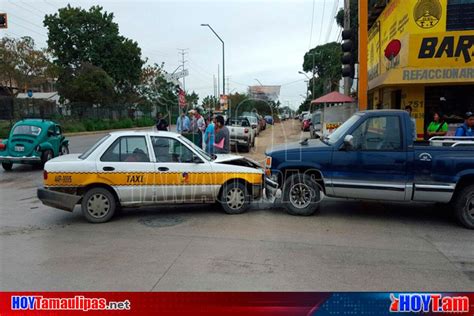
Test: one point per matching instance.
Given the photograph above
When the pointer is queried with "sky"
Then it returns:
(265, 40)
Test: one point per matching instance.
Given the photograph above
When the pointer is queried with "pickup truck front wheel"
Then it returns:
(301, 195)
(464, 206)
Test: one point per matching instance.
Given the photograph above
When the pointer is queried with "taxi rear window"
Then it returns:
(94, 147)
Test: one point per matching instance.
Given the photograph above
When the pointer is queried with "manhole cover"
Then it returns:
(161, 221)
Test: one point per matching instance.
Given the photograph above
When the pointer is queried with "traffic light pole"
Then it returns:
(363, 52)
(347, 25)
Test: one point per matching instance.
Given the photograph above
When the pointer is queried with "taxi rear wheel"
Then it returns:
(98, 205)
(234, 198)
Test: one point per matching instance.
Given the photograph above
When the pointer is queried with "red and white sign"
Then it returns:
(182, 99)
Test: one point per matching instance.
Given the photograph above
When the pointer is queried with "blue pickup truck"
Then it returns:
(373, 156)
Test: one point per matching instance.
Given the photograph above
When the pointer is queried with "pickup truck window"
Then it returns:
(342, 130)
(378, 133)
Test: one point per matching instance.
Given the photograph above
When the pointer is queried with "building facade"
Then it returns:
(421, 54)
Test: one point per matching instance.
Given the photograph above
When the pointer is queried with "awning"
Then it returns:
(333, 97)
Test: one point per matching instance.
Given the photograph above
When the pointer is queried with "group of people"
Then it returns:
(439, 127)
(194, 126)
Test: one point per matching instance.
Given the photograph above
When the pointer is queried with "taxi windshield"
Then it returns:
(27, 130)
(196, 148)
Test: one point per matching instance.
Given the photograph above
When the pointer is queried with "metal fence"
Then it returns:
(15, 108)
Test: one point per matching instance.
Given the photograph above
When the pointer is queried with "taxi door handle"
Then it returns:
(108, 168)
(163, 169)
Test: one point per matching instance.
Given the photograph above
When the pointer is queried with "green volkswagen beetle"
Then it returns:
(33, 141)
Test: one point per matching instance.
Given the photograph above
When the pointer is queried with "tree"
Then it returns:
(210, 102)
(326, 62)
(89, 83)
(192, 99)
(22, 66)
(77, 36)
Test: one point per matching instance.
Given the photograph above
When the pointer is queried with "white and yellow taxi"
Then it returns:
(134, 169)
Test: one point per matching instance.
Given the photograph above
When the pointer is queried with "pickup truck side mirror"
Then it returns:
(348, 142)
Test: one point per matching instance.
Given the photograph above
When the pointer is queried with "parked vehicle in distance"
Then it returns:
(254, 123)
(269, 119)
(373, 156)
(315, 128)
(241, 133)
(302, 115)
(306, 123)
(134, 169)
(33, 141)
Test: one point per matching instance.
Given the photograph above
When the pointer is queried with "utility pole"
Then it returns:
(362, 78)
(218, 86)
(228, 84)
(183, 52)
(314, 79)
(347, 25)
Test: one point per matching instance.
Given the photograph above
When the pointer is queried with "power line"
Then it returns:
(27, 28)
(25, 8)
(34, 24)
(322, 20)
(312, 22)
(333, 18)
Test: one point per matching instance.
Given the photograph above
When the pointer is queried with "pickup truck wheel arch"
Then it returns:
(315, 174)
(463, 204)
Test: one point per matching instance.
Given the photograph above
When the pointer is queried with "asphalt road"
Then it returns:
(349, 245)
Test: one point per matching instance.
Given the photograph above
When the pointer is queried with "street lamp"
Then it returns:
(307, 83)
(223, 56)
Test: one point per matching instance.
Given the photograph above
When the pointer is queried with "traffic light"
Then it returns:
(3, 21)
(347, 59)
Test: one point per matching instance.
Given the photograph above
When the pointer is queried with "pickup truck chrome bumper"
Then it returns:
(271, 187)
(19, 159)
(60, 200)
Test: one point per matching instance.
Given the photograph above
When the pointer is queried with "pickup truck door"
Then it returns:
(127, 167)
(376, 165)
(180, 175)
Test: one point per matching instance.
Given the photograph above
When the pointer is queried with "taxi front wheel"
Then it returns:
(98, 205)
(234, 198)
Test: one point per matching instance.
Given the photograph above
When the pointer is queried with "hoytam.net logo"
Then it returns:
(76, 303)
(434, 303)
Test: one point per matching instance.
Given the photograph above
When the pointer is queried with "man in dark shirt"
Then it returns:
(161, 123)
(222, 137)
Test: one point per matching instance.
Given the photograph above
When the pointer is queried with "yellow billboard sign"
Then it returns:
(449, 49)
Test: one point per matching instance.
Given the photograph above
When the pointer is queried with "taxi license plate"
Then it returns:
(19, 148)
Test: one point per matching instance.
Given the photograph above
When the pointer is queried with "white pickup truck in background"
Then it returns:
(241, 133)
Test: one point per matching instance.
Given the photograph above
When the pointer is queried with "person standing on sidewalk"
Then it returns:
(161, 122)
(209, 136)
(438, 127)
(413, 120)
(182, 123)
(467, 129)
(222, 143)
(201, 125)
